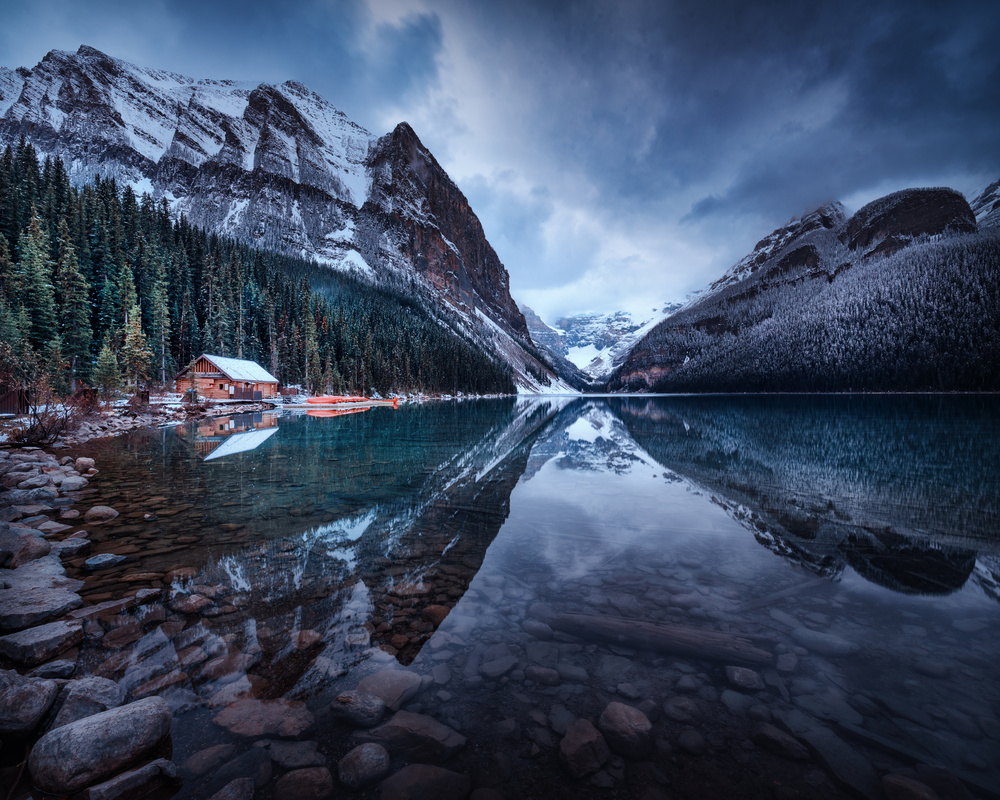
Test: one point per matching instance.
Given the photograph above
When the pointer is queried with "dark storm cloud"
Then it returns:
(611, 149)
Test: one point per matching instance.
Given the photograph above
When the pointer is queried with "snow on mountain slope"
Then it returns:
(279, 167)
(986, 206)
(595, 343)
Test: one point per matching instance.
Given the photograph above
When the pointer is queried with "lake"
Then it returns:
(800, 594)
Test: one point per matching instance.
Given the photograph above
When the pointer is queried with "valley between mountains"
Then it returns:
(903, 295)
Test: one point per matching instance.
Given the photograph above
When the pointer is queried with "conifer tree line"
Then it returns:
(100, 287)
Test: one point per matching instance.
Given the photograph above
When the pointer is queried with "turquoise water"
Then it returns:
(857, 537)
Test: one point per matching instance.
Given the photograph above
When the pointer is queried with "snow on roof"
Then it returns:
(241, 443)
(241, 370)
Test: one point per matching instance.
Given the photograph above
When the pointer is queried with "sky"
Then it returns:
(619, 154)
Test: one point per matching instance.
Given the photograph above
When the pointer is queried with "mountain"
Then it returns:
(594, 343)
(986, 206)
(902, 296)
(281, 168)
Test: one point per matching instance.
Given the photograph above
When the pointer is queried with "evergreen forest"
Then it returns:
(101, 287)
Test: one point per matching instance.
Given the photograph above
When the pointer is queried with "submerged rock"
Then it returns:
(255, 718)
(393, 686)
(364, 765)
(100, 514)
(86, 697)
(136, 783)
(626, 730)
(425, 782)
(583, 749)
(415, 737)
(103, 561)
(314, 783)
(89, 750)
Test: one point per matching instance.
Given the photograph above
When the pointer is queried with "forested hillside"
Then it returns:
(904, 296)
(97, 275)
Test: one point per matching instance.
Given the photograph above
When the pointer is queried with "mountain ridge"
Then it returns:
(279, 167)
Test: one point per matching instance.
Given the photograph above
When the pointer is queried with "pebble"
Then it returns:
(626, 730)
(364, 765)
(583, 750)
(692, 742)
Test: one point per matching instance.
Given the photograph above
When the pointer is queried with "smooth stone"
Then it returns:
(583, 750)
(103, 561)
(239, 789)
(435, 614)
(99, 514)
(24, 702)
(538, 629)
(787, 662)
(425, 782)
(744, 678)
(681, 709)
(359, 708)
(826, 644)
(364, 765)
(37, 645)
(82, 464)
(692, 742)
(899, 787)
(687, 684)
(254, 763)
(314, 783)
(542, 675)
(571, 672)
(414, 737)
(141, 782)
(292, 755)
(394, 686)
(737, 703)
(23, 608)
(847, 766)
(208, 759)
(768, 737)
(89, 750)
(255, 718)
(497, 667)
(73, 483)
(63, 668)
(627, 730)
(70, 548)
(86, 697)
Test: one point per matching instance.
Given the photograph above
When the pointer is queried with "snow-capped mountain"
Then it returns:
(595, 343)
(986, 206)
(280, 167)
(903, 296)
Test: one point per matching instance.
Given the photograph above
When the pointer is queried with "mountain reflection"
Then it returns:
(899, 488)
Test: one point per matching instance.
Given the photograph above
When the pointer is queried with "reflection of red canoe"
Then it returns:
(336, 398)
(334, 412)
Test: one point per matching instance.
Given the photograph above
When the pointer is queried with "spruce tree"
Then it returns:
(72, 296)
(106, 375)
(135, 354)
(36, 280)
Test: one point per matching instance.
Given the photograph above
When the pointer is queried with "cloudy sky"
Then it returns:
(619, 154)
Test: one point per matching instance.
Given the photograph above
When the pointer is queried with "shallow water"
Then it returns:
(857, 538)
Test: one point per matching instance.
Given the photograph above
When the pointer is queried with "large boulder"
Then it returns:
(86, 697)
(37, 645)
(24, 703)
(360, 709)
(94, 748)
(366, 764)
(21, 609)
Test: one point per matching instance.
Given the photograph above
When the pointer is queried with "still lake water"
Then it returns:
(855, 538)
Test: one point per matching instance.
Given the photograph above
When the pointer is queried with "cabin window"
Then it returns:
(222, 386)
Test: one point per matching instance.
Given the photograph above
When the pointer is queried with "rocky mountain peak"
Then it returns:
(986, 206)
(891, 222)
(277, 166)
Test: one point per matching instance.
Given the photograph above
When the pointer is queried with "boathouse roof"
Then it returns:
(237, 369)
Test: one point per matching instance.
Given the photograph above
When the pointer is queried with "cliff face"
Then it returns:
(901, 296)
(281, 168)
(438, 233)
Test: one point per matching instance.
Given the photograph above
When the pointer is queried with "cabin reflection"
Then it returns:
(218, 437)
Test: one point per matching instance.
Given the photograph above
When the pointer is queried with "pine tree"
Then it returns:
(106, 374)
(72, 296)
(36, 280)
(56, 367)
(135, 354)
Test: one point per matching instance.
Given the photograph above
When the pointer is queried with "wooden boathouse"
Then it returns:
(221, 378)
